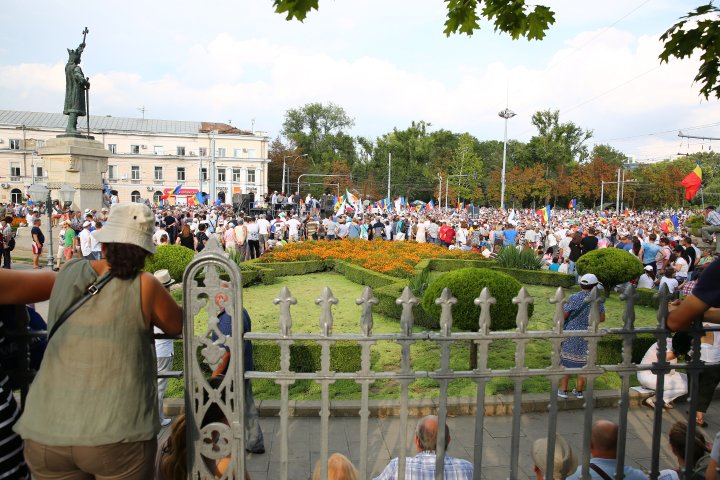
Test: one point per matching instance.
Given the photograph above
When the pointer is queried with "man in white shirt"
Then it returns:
(86, 241)
(293, 229)
(264, 231)
(95, 246)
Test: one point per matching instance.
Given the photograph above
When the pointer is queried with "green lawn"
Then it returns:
(425, 356)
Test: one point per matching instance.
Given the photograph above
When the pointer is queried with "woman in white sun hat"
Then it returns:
(92, 410)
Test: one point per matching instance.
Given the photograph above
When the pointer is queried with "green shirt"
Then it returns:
(69, 237)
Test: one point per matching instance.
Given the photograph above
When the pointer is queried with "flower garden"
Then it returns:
(397, 259)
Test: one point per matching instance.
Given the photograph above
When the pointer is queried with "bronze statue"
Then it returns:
(76, 86)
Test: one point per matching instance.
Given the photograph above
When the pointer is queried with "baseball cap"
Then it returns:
(565, 462)
(648, 268)
(86, 224)
(589, 279)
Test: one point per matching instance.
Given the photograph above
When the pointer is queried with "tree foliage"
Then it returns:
(698, 30)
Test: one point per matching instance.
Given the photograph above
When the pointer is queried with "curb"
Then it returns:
(496, 405)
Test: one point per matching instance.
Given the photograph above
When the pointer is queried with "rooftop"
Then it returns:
(116, 124)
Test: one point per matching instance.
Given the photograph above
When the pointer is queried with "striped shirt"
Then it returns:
(422, 467)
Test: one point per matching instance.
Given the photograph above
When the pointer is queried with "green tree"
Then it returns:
(467, 165)
(319, 130)
(698, 30)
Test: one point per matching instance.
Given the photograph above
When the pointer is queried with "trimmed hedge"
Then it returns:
(646, 297)
(450, 264)
(283, 269)
(610, 348)
(386, 296)
(539, 277)
(612, 266)
(465, 285)
(363, 276)
(305, 356)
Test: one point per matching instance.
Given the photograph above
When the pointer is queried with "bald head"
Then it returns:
(604, 439)
(426, 433)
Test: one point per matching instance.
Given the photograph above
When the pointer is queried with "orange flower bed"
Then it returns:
(391, 258)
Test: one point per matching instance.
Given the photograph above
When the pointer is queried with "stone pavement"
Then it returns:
(384, 438)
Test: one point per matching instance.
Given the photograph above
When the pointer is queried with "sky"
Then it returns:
(386, 62)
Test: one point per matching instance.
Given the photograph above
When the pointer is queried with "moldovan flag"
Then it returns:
(544, 213)
(692, 182)
(430, 205)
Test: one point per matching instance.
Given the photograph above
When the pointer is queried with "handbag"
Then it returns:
(91, 291)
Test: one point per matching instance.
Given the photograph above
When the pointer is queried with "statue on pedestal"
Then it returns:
(76, 87)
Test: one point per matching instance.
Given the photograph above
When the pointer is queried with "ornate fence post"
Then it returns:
(212, 281)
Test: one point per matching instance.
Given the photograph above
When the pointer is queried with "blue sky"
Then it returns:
(386, 62)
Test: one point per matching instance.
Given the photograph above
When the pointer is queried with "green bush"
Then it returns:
(466, 285)
(694, 221)
(610, 348)
(419, 283)
(526, 259)
(450, 264)
(612, 266)
(174, 258)
(305, 356)
(283, 269)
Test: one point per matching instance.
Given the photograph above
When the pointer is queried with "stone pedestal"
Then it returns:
(79, 162)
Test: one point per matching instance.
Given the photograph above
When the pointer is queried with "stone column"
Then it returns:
(79, 162)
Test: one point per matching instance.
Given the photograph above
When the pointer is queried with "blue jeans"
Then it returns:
(572, 270)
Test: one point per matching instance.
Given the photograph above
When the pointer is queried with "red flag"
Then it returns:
(692, 182)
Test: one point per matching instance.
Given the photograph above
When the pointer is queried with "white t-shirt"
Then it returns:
(85, 242)
(646, 281)
(263, 226)
(293, 225)
(670, 282)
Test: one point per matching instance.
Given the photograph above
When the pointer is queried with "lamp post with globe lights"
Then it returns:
(507, 114)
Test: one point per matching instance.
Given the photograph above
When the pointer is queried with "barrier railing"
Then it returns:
(212, 282)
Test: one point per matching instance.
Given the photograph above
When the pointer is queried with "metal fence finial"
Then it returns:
(630, 296)
(326, 300)
(285, 299)
(408, 301)
(446, 302)
(484, 301)
(367, 300)
(558, 300)
(522, 300)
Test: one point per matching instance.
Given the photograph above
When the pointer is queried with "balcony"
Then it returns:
(14, 178)
(135, 181)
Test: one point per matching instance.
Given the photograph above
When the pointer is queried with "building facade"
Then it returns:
(147, 157)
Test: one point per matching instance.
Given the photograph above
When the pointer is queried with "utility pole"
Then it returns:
(506, 114)
(617, 198)
(389, 173)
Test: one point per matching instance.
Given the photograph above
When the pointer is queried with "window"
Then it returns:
(112, 147)
(135, 149)
(157, 197)
(251, 153)
(15, 169)
(39, 143)
(221, 152)
(236, 175)
(202, 151)
(135, 172)
(135, 196)
(181, 173)
(251, 175)
(221, 175)
(112, 172)
(38, 171)
(237, 153)
(16, 195)
(159, 150)
(158, 173)
(14, 144)
(203, 174)
(181, 151)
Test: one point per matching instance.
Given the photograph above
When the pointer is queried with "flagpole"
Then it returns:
(702, 198)
(389, 172)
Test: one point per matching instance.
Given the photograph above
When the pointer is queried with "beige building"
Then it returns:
(147, 157)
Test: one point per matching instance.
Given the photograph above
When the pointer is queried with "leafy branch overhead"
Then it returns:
(698, 30)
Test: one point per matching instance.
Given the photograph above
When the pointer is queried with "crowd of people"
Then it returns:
(107, 335)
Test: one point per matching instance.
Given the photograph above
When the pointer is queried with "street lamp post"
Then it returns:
(506, 114)
(283, 186)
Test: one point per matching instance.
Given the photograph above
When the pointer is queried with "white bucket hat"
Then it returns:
(131, 223)
(565, 462)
